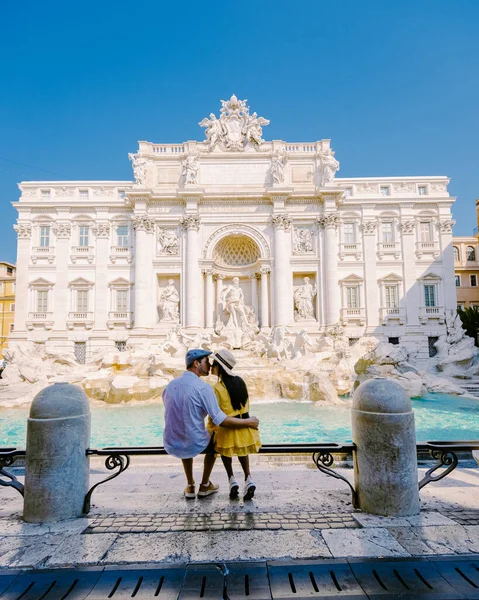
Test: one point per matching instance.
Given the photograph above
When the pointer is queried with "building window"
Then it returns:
(1, 286)
(83, 235)
(120, 346)
(121, 194)
(83, 194)
(348, 233)
(456, 253)
(473, 280)
(394, 341)
(384, 190)
(422, 190)
(431, 341)
(45, 194)
(458, 281)
(352, 341)
(470, 253)
(42, 300)
(352, 297)
(425, 231)
(122, 235)
(82, 300)
(45, 236)
(12, 327)
(430, 295)
(12, 307)
(391, 296)
(80, 352)
(388, 233)
(9, 271)
(122, 300)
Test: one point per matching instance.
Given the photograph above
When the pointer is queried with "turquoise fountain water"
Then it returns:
(438, 417)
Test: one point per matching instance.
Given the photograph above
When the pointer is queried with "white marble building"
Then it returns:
(107, 262)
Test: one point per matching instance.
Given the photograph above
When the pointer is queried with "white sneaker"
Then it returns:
(234, 488)
(249, 488)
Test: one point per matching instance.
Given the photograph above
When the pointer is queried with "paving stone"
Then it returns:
(362, 543)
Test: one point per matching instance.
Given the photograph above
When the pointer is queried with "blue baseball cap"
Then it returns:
(196, 354)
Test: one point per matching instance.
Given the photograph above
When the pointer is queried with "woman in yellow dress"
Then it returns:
(233, 400)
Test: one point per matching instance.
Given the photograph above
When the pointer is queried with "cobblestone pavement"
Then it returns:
(162, 523)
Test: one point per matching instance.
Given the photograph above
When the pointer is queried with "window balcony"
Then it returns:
(79, 318)
(353, 315)
(431, 313)
(394, 315)
(427, 248)
(43, 253)
(350, 250)
(39, 319)
(122, 253)
(118, 318)
(82, 253)
(389, 248)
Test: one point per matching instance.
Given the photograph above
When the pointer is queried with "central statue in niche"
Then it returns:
(236, 321)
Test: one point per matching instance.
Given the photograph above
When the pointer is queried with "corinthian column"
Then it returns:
(264, 297)
(444, 227)
(209, 297)
(101, 230)
(281, 273)
(62, 231)
(329, 223)
(371, 304)
(143, 227)
(24, 233)
(193, 282)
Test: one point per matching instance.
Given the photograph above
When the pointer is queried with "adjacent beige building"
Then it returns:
(7, 302)
(466, 270)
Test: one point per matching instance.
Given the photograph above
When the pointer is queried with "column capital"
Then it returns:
(207, 271)
(265, 270)
(281, 222)
(446, 225)
(62, 230)
(218, 276)
(369, 227)
(101, 230)
(190, 222)
(407, 227)
(143, 223)
(330, 220)
(24, 230)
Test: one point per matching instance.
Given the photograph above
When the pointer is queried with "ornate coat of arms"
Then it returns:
(236, 129)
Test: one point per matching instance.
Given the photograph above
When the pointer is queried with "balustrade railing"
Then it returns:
(168, 149)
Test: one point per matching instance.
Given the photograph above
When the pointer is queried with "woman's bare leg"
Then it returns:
(244, 461)
(228, 464)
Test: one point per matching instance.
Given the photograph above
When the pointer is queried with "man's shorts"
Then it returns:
(210, 448)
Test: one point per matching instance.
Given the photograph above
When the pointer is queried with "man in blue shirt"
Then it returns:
(187, 401)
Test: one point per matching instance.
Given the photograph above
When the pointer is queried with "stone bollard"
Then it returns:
(385, 464)
(57, 469)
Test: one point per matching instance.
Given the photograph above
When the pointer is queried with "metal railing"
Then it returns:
(444, 452)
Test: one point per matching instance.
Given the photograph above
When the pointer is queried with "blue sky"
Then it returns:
(393, 83)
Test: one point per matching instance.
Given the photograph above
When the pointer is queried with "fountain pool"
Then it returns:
(438, 417)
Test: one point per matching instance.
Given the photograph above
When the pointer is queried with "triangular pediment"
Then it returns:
(353, 278)
(41, 282)
(120, 281)
(431, 277)
(81, 282)
(392, 277)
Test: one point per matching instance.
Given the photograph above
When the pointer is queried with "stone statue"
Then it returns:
(190, 170)
(236, 128)
(302, 344)
(169, 304)
(233, 299)
(139, 168)
(302, 241)
(303, 301)
(277, 344)
(214, 130)
(278, 163)
(329, 166)
(168, 242)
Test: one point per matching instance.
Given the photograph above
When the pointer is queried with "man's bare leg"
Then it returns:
(208, 465)
(188, 469)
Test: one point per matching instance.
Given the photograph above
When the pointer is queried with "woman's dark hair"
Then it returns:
(236, 387)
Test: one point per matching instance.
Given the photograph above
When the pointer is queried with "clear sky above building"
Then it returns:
(393, 83)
